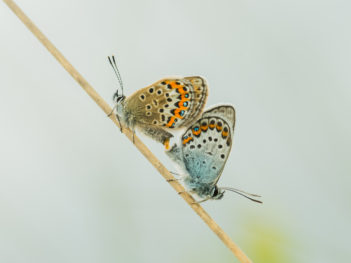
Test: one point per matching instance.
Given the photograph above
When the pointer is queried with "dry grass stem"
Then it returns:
(138, 143)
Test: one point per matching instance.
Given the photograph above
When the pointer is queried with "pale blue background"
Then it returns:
(73, 189)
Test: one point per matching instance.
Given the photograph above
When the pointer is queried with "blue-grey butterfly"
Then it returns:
(204, 150)
(167, 104)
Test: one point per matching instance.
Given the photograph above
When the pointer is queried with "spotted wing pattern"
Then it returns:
(170, 103)
(226, 112)
(207, 143)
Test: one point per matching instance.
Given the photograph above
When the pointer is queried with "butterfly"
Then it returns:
(204, 150)
(167, 104)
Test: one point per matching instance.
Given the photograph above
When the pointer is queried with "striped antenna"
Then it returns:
(115, 69)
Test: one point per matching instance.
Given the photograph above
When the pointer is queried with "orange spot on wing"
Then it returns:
(196, 132)
(173, 84)
(166, 144)
(181, 104)
(224, 134)
(204, 127)
(171, 121)
(177, 113)
(219, 128)
(185, 141)
(181, 107)
(183, 98)
(181, 90)
(211, 126)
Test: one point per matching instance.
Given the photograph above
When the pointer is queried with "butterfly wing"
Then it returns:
(169, 103)
(226, 112)
(207, 143)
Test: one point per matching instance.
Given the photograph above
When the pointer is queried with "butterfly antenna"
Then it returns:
(242, 193)
(115, 69)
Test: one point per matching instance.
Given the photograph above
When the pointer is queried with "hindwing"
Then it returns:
(207, 143)
(169, 103)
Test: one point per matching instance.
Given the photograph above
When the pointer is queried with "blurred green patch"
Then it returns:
(267, 242)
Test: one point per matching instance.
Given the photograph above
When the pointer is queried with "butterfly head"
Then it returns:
(217, 193)
(118, 98)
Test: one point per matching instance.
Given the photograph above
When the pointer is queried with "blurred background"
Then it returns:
(73, 189)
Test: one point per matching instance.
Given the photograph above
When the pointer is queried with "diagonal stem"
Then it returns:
(138, 143)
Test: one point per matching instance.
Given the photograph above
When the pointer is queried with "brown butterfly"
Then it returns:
(169, 103)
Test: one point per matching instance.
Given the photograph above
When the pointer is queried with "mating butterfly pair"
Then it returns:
(178, 103)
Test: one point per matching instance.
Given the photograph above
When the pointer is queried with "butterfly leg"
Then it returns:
(120, 124)
(203, 200)
(113, 109)
(181, 177)
(174, 173)
(193, 203)
(173, 180)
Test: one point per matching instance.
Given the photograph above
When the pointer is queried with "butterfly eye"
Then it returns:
(115, 96)
(215, 193)
(119, 98)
